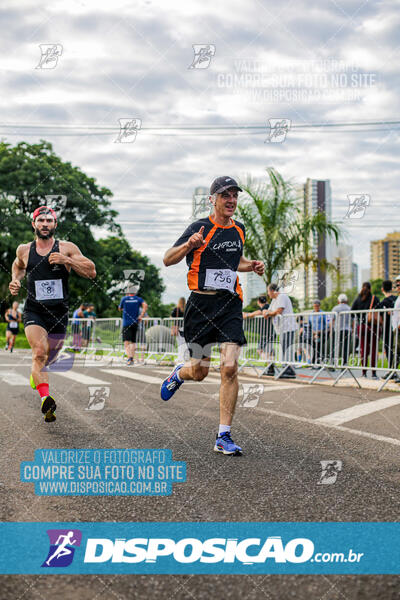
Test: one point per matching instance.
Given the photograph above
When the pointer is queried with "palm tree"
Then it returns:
(278, 231)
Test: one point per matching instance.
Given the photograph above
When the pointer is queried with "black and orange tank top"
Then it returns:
(214, 265)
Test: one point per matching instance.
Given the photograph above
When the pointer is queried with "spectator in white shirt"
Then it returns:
(341, 328)
(395, 328)
(281, 312)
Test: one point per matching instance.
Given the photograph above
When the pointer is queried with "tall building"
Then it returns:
(365, 275)
(315, 196)
(342, 259)
(354, 282)
(385, 257)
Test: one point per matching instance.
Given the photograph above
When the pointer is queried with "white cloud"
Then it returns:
(130, 59)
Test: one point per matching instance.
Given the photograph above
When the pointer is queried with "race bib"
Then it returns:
(49, 289)
(220, 279)
(13, 324)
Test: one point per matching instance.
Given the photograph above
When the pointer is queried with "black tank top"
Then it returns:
(47, 284)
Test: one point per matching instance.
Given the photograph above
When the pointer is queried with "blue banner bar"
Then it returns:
(194, 548)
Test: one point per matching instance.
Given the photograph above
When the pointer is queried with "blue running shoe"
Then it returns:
(171, 384)
(225, 444)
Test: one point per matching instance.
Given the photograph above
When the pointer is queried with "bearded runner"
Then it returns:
(47, 262)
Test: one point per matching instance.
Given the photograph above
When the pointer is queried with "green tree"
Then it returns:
(29, 173)
(118, 256)
(278, 231)
(252, 306)
(330, 301)
(376, 287)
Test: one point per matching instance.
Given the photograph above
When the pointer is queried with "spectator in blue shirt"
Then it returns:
(133, 309)
(76, 328)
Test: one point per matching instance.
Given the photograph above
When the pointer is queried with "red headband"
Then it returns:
(44, 210)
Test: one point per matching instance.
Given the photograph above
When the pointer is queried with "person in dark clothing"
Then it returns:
(387, 342)
(368, 332)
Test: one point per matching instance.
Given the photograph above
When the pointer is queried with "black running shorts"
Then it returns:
(212, 319)
(53, 321)
(129, 332)
(14, 330)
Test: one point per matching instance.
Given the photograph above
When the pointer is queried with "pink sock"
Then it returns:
(43, 389)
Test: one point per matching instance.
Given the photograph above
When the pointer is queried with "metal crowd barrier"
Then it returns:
(351, 342)
(342, 343)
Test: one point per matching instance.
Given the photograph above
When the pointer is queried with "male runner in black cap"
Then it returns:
(213, 248)
(47, 263)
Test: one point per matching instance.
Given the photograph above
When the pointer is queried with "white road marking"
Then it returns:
(213, 378)
(367, 434)
(80, 378)
(275, 387)
(13, 378)
(11, 364)
(133, 375)
(359, 410)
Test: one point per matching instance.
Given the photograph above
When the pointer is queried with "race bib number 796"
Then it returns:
(220, 279)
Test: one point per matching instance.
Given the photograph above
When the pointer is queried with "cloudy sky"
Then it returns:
(314, 63)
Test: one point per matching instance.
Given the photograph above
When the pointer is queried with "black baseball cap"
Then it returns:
(223, 183)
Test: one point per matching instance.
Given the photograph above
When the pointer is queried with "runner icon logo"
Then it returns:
(250, 394)
(50, 53)
(278, 129)
(357, 205)
(287, 280)
(329, 471)
(203, 54)
(62, 547)
(128, 129)
(97, 397)
(133, 279)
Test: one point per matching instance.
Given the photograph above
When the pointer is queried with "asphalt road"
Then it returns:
(285, 428)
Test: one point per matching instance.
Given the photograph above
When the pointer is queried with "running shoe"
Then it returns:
(33, 386)
(225, 444)
(171, 384)
(129, 362)
(48, 409)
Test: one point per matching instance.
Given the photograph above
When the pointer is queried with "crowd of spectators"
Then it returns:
(329, 337)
